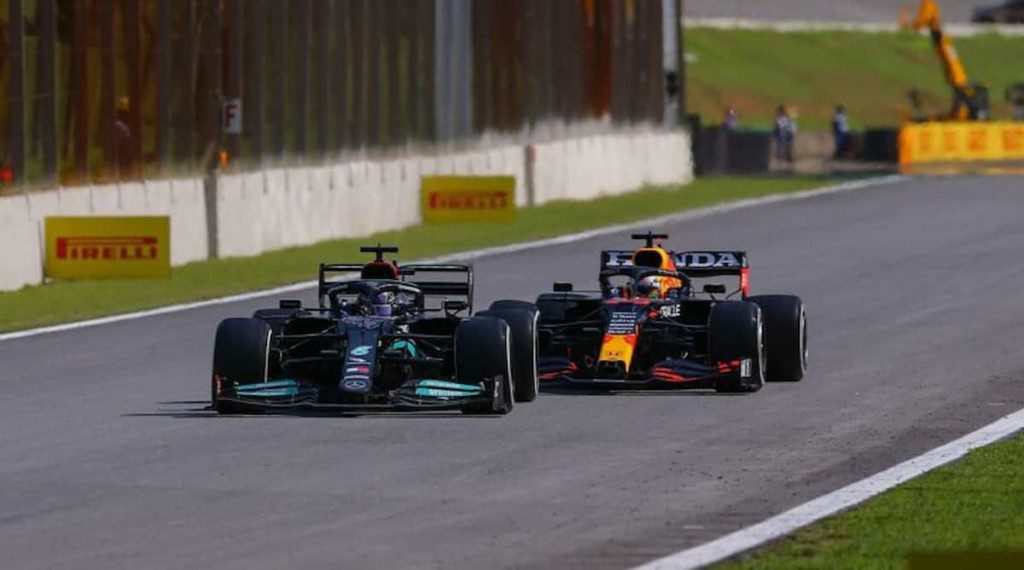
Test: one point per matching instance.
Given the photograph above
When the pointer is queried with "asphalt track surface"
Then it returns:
(109, 459)
(827, 10)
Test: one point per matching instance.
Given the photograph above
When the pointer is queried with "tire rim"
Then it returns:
(510, 392)
(760, 350)
(536, 350)
(266, 357)
(804, 352)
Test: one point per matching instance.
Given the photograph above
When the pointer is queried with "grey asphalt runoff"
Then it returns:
(110, 459)
(824, 10)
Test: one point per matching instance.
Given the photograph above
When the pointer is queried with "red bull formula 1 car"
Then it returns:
(663, 319)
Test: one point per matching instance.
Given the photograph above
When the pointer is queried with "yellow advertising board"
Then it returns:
(108, 247)
(453, 199)
(960, 141)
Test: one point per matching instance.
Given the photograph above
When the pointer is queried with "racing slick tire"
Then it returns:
(552, 306)
(522, 321)
(736, 331)
(241, 353)
(276, 318)
(511, 304)
(785, 336)
(483, 349)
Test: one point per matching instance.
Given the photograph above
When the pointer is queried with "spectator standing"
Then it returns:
(732, 119)
(784, 133)
(840, 131)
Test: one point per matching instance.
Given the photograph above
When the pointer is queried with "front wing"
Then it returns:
(667, 374)
(296, 395)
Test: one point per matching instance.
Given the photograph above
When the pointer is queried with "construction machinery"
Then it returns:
(970, 100)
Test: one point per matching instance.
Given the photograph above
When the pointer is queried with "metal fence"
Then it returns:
(100, 90)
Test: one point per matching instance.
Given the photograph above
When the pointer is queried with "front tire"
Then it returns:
(241, 355)
(521, 318)
(483, 350)
(785, 330)
(736, 332)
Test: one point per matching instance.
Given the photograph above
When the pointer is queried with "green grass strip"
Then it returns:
(975, 505)
(69, 301)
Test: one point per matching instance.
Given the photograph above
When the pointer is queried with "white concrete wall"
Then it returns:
(21, 259)
(586, 168)
(21, 220)
(278, 208)
(285, 207)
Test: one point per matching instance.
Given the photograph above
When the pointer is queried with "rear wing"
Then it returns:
(460, 287)
(695, 264)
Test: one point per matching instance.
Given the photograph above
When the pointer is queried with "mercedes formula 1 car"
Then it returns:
(665, 319)
(387, 340)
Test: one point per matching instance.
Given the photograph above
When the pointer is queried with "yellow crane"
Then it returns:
(970, 100)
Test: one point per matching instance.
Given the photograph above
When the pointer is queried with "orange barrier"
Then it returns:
(960, 141)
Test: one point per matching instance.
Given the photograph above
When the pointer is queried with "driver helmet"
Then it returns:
(649, 287)
(382, 303)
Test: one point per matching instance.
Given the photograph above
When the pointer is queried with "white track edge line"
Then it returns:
(812, 511)
(470, 255)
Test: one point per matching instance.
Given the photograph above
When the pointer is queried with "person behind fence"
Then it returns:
(840, 131)
(784, 133)
(732, 119)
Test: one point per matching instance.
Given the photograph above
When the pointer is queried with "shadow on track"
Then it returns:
(660, 392)
(206, 411)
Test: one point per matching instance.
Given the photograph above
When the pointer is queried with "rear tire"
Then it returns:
(241, 355)
(511, 304)
(736, 332)
(483, 349)
(521, 318)
(785, 337)
(558, 307)
(276, 318)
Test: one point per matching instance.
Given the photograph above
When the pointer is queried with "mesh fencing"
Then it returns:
(101, 90)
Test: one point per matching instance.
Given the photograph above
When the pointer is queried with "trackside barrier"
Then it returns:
(960, 142)
(265, 210)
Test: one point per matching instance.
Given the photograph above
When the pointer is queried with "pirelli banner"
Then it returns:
(108, 247)
(955, 141)
(452, 199)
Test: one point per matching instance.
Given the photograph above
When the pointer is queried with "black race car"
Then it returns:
(387, 340)
(1009, 12)
(664, 319)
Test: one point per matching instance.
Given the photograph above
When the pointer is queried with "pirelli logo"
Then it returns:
(469, 200)
(107, 247)
(453, 199)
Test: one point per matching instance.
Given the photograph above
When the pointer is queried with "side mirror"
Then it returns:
(290, 304)
(455, 306)
(715, 288)
(562, 287)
